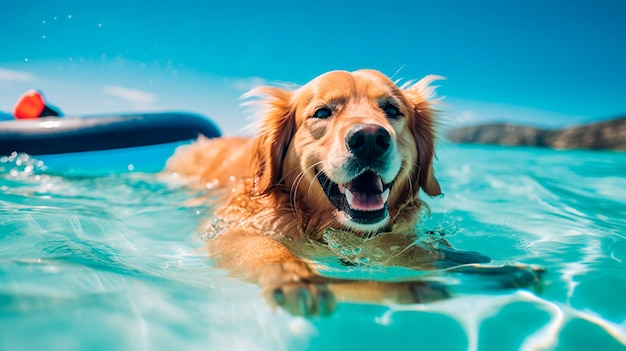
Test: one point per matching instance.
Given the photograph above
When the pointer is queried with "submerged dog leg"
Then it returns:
(321, 298)
(286, 280)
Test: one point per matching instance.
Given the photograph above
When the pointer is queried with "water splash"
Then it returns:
(20, 165)
(387, 249)
(215, 227)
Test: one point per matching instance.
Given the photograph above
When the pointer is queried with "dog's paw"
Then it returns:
(293, 286)
(304, 299)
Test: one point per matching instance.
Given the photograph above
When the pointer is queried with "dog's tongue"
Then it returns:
(365, 192)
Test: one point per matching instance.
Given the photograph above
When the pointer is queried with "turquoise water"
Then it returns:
(99, 260)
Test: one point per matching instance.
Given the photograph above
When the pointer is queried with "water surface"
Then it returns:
(94, 259)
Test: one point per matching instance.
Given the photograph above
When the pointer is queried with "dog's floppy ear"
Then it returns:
(277, 126)
(422, 126)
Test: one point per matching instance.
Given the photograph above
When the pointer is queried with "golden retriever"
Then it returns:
(337, 163)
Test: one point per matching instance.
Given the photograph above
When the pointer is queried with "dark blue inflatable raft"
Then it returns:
(50, 135)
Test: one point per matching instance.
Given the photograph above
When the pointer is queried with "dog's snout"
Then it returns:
(368, 141)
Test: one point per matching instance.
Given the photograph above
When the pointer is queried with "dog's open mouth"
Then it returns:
(364, 199)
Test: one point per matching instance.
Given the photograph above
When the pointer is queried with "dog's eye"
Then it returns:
(391, 111)
(323, 112)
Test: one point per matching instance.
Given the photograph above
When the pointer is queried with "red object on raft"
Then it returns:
(29, 106)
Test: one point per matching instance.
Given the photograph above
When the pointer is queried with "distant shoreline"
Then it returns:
(604, 135)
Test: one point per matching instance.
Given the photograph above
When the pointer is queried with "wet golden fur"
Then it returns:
(276, 212)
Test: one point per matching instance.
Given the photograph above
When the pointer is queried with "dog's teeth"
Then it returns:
(385, 195)
(342, 189)
(349, 196)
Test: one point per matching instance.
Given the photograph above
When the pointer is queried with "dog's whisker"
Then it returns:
(300, 177)
(410, 172)
(296, 185)
(326, 182)
(293, 193)
(316, 174)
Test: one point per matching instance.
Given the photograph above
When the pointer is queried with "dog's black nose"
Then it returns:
(368, 141)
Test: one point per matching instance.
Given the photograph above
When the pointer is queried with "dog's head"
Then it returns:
(351, 149)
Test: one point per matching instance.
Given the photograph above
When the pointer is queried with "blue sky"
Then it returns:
(549, 63)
